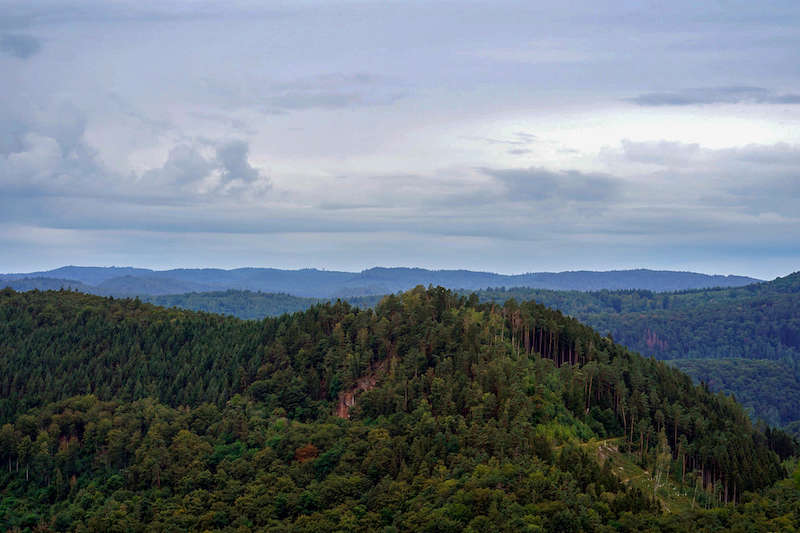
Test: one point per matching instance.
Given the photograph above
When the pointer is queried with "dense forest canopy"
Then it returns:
(714, 328)
(430, 412)
(768, 389)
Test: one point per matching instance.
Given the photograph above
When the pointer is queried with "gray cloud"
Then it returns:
(386, 94)
(535, 184)
(661, 152)
(716, 95)
(184, 165)
(772, 155)
(519, 138)
(753, 179)
(43, 150)
(341, 206)
(767, 157)
(232, 157)
(189, 171)
(20, 45)
(323, 91)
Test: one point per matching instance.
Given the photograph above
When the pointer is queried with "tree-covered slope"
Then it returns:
(759, 322)
(248, 304)
(762, 386)
(431, 412)
(242, 304)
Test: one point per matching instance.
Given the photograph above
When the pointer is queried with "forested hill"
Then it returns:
(714, 328)
(432, 412)
(759, 321)
(313, 283)
(249, 305)
(242, 304)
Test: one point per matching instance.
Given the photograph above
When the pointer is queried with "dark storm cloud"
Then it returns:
(20, 45)
(716, 95)
(534, 184)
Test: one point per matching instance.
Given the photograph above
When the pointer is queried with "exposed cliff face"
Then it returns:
(653, 341)
(347, 398)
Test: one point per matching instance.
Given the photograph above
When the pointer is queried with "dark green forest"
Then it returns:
(248, 304)
(768, 387)
(431, 411)
(759, 322)
(243, 304)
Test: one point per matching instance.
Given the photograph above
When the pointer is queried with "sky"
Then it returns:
(502, 136)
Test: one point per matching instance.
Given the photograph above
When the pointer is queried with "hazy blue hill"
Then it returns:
(398, 279)
(242, 304)
(308, 282)
(45, 284)
(654, 280)
(88, 275)
(147, 285)
(325, 284)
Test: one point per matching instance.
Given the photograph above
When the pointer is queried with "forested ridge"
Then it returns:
(453, 415)
(715, 328)
(769, 389)
(248, 304)
(759, 322)
(243, 304)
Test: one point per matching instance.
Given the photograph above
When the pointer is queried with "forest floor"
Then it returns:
(669, 493)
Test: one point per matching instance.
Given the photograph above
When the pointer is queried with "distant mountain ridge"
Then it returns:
(129, 281)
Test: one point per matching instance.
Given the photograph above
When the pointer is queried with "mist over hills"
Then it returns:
(128, 281)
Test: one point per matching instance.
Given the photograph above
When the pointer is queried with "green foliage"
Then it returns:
(693, 328)
(453, 415)
(768, 389)
(243, 304)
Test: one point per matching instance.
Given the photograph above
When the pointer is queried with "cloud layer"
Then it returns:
(21, 46)
(716, 95)
(507, 137)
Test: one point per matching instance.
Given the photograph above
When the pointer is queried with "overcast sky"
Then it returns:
(509, 137)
